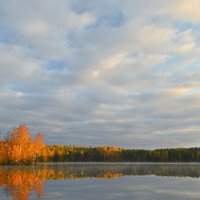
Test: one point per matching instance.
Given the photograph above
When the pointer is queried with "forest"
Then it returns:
(59, 153)
(20, 148)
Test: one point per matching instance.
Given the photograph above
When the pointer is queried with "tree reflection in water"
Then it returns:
(19, 182)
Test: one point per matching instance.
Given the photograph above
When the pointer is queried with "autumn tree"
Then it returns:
(3, 153)
(39, 144)
(19, 147)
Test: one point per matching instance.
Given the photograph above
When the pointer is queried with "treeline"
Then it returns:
(60, 153)
(20, 148)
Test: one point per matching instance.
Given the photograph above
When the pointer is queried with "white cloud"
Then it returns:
(185, 10)
(185, 41)
(101, 72)
(37, 28)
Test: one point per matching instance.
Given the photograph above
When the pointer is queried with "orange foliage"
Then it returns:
(20, 182)
(19, 147)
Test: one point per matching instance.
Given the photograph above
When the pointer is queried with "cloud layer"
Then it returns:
(102, 73)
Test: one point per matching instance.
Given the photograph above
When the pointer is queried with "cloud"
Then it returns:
(101, 73)
(185, 10)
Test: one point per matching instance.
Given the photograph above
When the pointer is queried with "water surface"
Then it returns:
(100, 181)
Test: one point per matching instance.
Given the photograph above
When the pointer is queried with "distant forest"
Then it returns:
(20, 148)
(59, 153)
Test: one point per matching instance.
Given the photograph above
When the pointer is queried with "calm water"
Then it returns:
(101, 181)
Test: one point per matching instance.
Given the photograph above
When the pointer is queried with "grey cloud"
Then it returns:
(99, 73)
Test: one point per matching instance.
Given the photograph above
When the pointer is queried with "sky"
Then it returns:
(88, 72)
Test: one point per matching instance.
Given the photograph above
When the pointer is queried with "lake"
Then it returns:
(100, 181)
